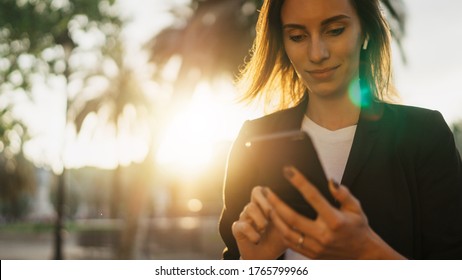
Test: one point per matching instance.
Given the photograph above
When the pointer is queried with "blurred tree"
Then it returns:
(43, 39)
(15, 171)
(213, 37)
(35, 34)
(121, 96)
(210, 38)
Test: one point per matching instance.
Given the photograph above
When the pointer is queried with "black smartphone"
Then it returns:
(272, 152)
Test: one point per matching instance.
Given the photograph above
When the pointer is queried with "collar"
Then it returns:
(291, 119)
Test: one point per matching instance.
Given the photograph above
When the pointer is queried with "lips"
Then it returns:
(324, 73)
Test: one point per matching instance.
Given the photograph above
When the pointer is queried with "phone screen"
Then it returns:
(274, 151)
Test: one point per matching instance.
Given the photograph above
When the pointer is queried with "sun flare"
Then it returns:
(211, 117)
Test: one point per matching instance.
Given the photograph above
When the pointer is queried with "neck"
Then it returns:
(336, 112)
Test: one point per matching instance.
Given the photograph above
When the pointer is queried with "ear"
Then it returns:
(366, 42)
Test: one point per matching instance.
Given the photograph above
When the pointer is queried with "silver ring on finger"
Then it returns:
(300, 240)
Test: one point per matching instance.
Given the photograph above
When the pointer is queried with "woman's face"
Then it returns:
(323, 40)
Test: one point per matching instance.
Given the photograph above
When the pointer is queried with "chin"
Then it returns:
(324, 92)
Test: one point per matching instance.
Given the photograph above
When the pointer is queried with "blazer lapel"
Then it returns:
(363, 142)
(292, 118)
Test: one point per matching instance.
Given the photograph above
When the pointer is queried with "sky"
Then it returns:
(430, 79)
(433, 45)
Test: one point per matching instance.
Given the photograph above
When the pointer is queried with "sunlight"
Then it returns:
(195, 205)
(211, 117)
(188, 142)
(99, 145)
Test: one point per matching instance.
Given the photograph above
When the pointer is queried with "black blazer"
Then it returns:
(403, 167)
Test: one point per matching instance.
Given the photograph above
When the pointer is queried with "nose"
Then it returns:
(318, 50)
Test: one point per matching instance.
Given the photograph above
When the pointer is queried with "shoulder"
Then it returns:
(287, 119)
(414, 119)
(265, 124)
(419, 129)
(411, 113)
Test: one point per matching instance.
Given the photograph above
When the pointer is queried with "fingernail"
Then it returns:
(288, 172)
(336, 185)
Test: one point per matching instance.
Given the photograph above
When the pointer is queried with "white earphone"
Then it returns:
(366, 42)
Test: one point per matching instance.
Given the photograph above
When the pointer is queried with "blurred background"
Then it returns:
(116, 117)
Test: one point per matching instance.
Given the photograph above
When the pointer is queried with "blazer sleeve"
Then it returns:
(439, 180)
(238, 183)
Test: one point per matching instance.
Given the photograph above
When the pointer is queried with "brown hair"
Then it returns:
(269, 74)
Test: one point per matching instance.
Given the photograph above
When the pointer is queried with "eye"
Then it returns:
(336, 31)
(297, 38)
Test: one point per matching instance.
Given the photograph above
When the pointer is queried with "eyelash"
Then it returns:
(297, 38)
(336, 31)
(333, 32)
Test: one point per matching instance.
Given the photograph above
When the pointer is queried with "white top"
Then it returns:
(333, 149)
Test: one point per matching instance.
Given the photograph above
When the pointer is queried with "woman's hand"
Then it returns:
(255, 234)
(342, 233)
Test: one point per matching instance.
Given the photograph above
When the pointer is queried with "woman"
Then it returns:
(400, 172)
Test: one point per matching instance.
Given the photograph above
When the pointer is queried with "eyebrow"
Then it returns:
(323, 23)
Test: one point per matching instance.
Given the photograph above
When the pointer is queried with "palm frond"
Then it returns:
(215, 39)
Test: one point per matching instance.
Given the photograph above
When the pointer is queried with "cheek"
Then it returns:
(349, 55)
(354, 57)
(295, 55)
(352, 52)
